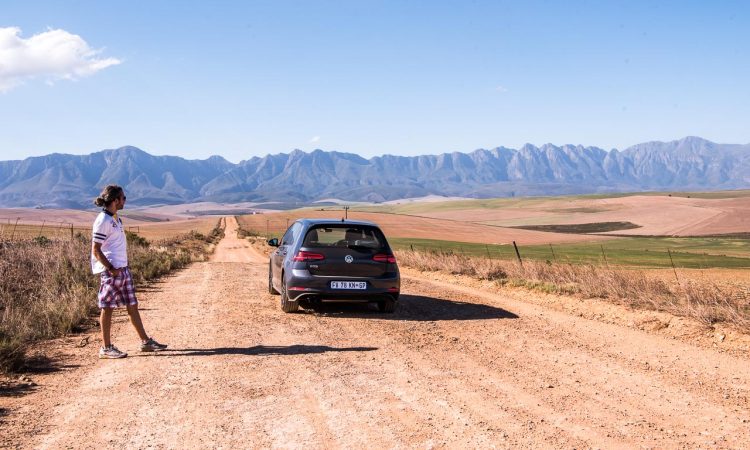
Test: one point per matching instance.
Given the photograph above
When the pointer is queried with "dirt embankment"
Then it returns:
(458, 365)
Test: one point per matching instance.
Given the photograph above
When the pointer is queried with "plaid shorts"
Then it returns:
(116, 292)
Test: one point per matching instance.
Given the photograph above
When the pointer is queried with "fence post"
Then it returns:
(411, 247)
(14, 228)
(554, 258)
(605, 255)
(518, 254)
(673, 267)
(71, 231)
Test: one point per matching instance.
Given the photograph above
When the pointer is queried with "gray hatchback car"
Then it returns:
(324, 260)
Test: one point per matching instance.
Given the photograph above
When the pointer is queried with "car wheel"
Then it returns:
(387, 306)
(271, 289)
(286, 304)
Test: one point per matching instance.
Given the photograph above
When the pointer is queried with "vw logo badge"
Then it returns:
(348, 259)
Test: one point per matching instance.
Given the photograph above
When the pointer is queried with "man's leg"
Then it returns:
(105, 321)
(135, 319)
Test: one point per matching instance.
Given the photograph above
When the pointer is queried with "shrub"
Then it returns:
(136, 240)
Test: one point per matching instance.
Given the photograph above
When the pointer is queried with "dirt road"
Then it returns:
(453, 368)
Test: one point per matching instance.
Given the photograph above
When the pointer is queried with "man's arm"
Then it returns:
(96, 250)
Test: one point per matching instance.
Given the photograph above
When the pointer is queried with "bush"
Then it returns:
(41, 241)
(136, 240)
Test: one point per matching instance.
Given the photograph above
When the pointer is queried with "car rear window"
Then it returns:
(344, 236)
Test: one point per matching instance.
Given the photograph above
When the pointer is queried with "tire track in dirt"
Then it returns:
(455, 366)
(617, 374)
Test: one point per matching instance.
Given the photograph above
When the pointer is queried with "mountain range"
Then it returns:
(72, 181)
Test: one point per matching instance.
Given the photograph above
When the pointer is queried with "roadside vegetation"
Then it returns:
(706, 301)
(48, 290)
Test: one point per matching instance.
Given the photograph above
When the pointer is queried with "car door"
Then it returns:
(285, 246)
(277, 259)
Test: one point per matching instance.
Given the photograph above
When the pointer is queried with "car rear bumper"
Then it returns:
(302, 285)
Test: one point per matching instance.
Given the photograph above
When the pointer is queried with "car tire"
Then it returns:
(287, 305)
(271, 289)
(387, 306)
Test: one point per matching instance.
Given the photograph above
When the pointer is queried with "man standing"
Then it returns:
(109, 258)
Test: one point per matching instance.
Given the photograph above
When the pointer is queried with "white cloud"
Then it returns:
(315, 140)
(501, 89)
(52, 55)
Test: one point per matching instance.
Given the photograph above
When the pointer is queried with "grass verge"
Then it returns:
(47, 288)
(704, 301)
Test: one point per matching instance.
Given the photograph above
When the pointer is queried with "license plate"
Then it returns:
(348, 285)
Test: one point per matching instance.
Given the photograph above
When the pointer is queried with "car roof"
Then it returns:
(311, 222)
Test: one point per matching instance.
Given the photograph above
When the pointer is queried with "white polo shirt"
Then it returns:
(111, 234)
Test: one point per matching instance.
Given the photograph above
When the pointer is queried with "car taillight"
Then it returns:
(308, 256)
(382, 257)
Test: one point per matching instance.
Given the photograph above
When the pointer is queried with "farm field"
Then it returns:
(405, 226)
(167, 230)
(656, 214)
(638, 230)
(27, 223)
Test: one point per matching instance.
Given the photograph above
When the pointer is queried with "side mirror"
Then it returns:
(273, 242)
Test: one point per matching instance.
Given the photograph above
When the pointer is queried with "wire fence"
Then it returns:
(12, 229)
(24, 229)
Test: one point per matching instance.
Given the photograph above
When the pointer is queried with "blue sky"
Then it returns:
(247, 78)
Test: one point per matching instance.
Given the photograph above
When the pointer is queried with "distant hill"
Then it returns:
(72, 181)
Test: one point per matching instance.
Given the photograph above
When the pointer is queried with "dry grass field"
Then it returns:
(656, 214)
(407, 226)
(168, 230)
(27, 223)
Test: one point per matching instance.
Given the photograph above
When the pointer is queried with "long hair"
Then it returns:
(109, 194)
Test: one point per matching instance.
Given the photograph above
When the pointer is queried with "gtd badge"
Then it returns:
(348, 259)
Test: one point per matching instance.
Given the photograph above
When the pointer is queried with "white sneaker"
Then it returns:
(111, 352)
(152, 346)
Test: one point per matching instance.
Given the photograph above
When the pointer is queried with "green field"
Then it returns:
(646, 252)
(582, 228)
